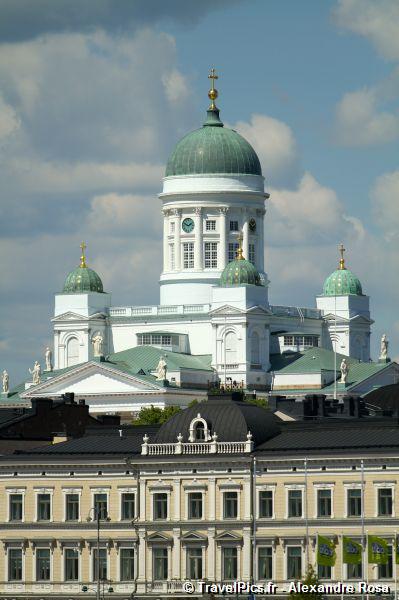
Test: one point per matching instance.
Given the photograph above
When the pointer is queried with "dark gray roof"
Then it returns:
(385, 398)
(230, 419)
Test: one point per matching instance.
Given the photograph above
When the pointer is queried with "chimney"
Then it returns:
(69, 397)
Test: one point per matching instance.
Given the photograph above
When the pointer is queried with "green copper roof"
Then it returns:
(83, 279)
(239, 272)
(213, 149)
(342, 282)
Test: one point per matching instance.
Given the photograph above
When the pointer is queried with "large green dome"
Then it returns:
(213, 149)
(341, 283)
(239, 272)
(82, 279)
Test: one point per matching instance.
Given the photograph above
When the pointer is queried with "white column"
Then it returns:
(247, 499)
(261, 239)
(176, 500)
(166, 266)
(210, 574)
(176, 555)
(245, 233)
(246, 554)
(212, 499)
(142, 515)
(141, 567)
(198, 243)
(177, 215)
(222, 238)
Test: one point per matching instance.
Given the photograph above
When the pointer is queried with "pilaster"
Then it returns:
(222, 238)
(198, 243)
(177, 216)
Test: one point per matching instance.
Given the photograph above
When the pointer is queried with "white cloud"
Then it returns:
(275, 145)
(385, 204)
(360, 123)
(376, 21)
(9, 121)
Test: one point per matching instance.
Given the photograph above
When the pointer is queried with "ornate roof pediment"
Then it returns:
(228, 536)
(71, 316)
(194, 536)
(159, 537)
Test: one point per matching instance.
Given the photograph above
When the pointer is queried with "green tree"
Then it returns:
(262, 402)
(153, 415)
(311, 578)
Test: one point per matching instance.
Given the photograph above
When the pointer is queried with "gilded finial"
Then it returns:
(341, 260)
(213, 93)
(83, 257)
(240, 255)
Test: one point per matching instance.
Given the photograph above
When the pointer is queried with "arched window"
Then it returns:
(199, 432)
(255, 354)
(72, 352)
(231, 348)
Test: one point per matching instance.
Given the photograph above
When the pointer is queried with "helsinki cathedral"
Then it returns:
(214, 322)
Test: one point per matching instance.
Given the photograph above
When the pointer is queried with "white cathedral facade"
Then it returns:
(214, 308)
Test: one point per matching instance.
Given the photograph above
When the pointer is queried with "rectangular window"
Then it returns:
(386, 571)
(230, 505)
(195, 505)
(354, 503)
(266, 504)
(144, 339)
(294, 562)
(354, 571)
(288, 340)
(324, 571)
(127, 564)
(172, 257)
(43, 564)
(100, 505)
(160, 566)
(324, 503)
(295, 503)
(16, 507)
(127, 506)
(210, 225)
(43, 507)
(15, 564)
(233, 247)
(72, 507)
(265, 563)
(103, 573)
(229, 563)
(233, 225)
(71, 564)
(251, 253)
(211, 255)
(194, 563)
(160, 507)
(172, 227)
(188, 255)
(385, 502)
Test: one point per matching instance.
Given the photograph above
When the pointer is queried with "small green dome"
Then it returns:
(341, 283)
(239, 272)
(83, 279)
(213, 149)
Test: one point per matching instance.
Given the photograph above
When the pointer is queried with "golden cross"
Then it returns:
(212, 76)
(239, 249)
(342, 260)
(83, 258)
(213, 93)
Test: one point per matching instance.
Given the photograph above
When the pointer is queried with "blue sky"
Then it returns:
(94, 98)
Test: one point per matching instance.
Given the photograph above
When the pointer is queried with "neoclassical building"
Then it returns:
(215, 321)
(221, 492)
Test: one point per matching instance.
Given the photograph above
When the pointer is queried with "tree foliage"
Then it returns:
(153, 415)
(311, 578)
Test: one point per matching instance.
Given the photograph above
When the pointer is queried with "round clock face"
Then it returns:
(188, 225)
(252, 225)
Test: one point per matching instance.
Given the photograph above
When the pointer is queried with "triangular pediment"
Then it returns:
(71, 316)
(92, 379)
(228, 536)
(226, 309)
(193, 536)
(159, 536)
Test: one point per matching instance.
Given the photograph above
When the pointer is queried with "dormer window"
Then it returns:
(199, 430)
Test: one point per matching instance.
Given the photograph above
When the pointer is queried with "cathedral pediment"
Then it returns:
(71, 316)
(92, 379)
(226, 310)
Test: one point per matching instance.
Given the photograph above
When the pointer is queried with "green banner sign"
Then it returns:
(326, 554)
(352, 551)
(377, 550)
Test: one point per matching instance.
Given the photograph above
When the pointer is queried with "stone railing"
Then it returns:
(140, 311)
(210, 447)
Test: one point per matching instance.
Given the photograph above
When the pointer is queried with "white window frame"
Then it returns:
(210, 225)
(65, 493)
(63, 570)
(213, 255)
(194, 490)
(93, 549)
(384, 485)
(169, 558)
(185, 566)
(352, 486)
(188, 252)
(238, 548)
(288, 488)
(252, 250)
(38, 492)
(15, 581)
(316, 488)
(41, 546)
(127, 490)
(161, 490)
(172, 257)
(265, 545)
(10, 492)
(235, 489)
(293, 544)
(127, 546)
(265, 488)
(99, 490)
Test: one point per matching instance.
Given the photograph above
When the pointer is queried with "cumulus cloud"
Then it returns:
(376, 21)
(275, 145)
(384, 196)
(359, 121)
(9, 122)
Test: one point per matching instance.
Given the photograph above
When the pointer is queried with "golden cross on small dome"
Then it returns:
(342, 260)
(213, 93)
(240, 255)
(83, 257)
